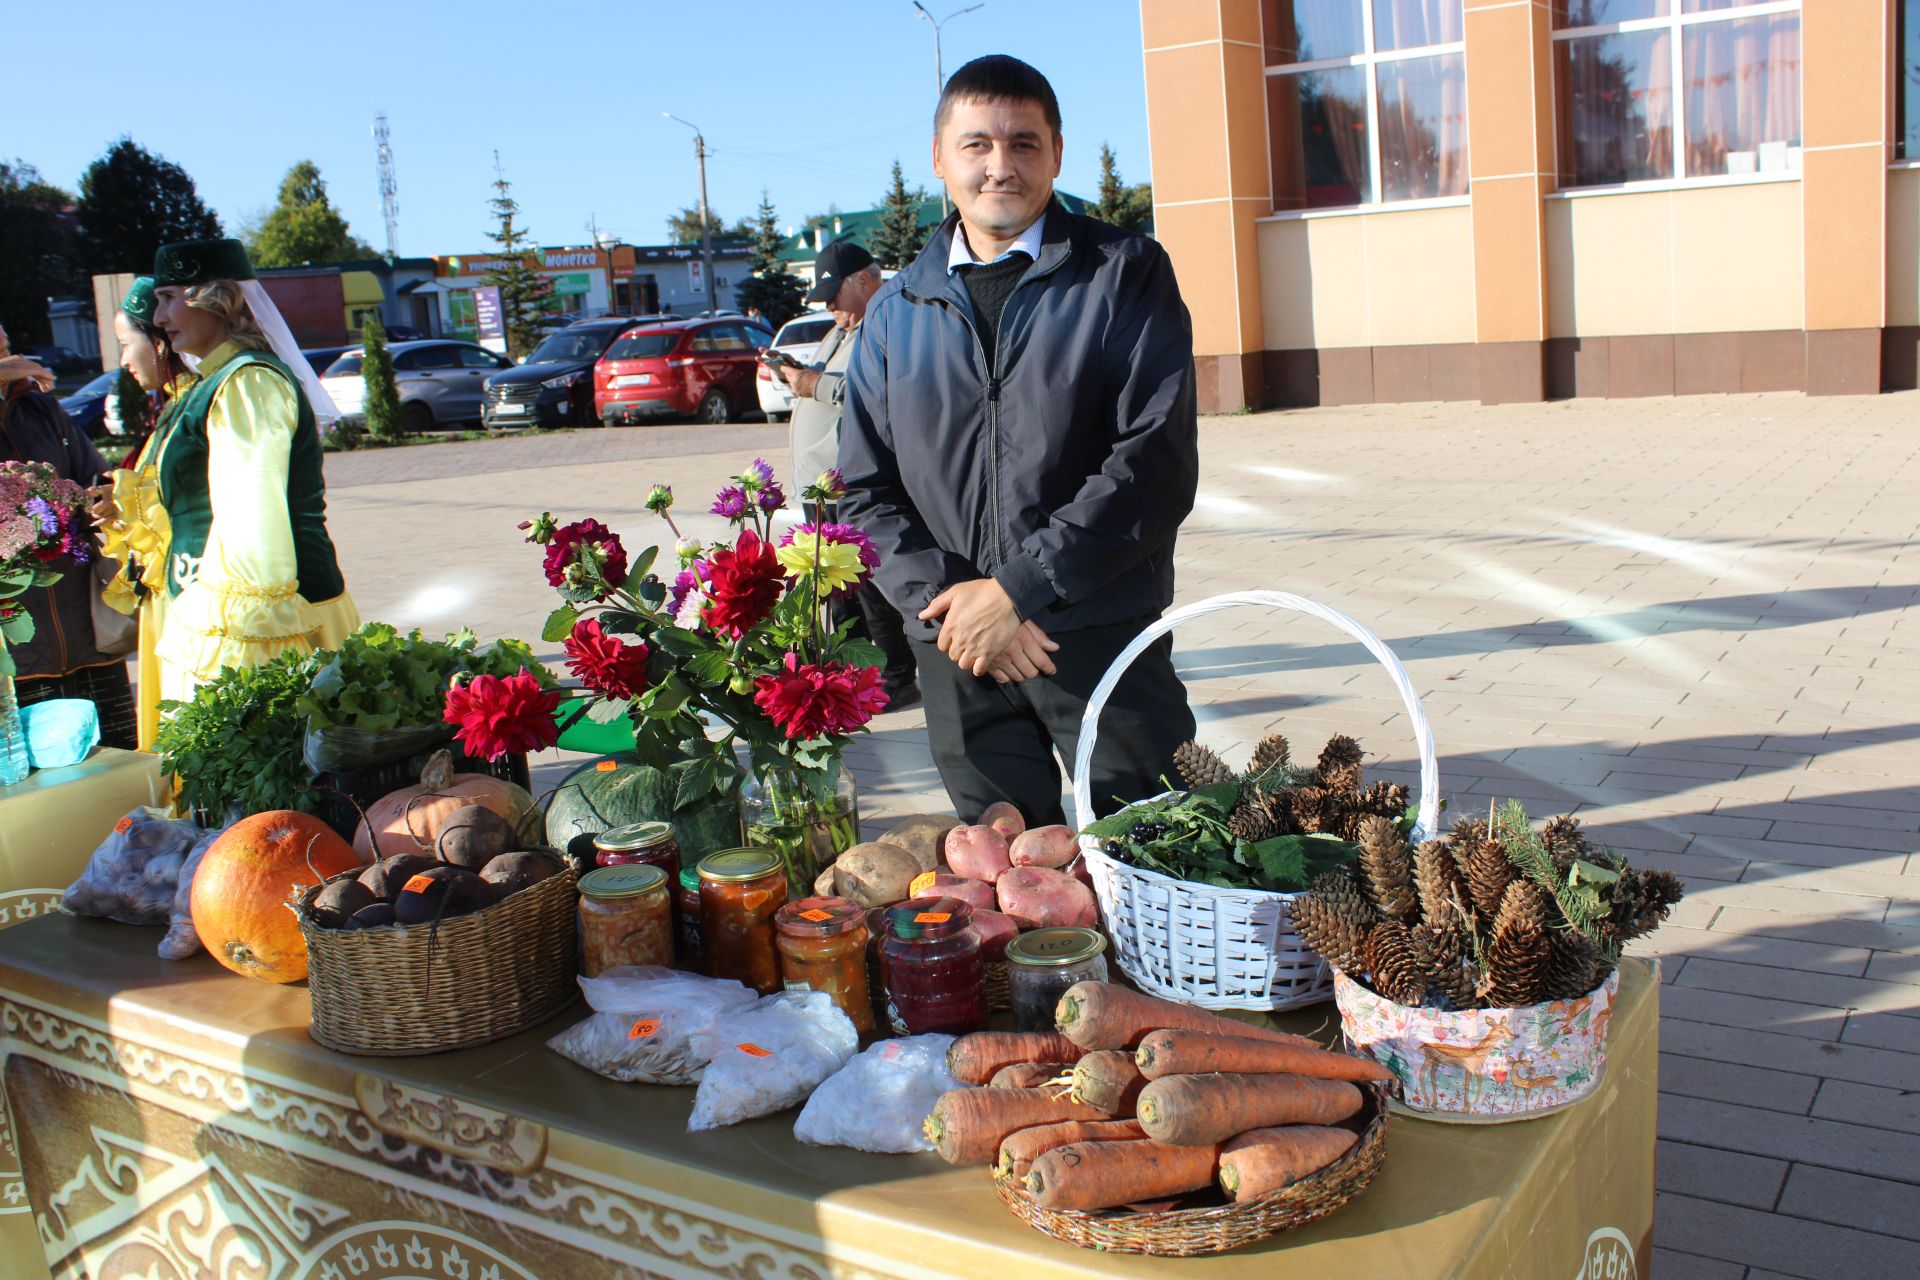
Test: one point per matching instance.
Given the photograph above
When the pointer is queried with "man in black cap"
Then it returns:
(845, 279)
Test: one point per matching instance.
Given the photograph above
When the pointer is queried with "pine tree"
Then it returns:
(42, 252)
(131, 203)
(1123, 206)
(522, 289)
(381, 399)
(130, 403)
(899, 237)
(303, 227)
(775, 291)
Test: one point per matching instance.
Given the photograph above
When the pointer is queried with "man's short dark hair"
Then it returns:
(997, 78)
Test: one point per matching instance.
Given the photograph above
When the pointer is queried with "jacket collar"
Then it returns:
(928, 277)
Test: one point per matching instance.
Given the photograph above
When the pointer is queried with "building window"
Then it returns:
(1366, 101)
(1737, 63)
(1907, 99)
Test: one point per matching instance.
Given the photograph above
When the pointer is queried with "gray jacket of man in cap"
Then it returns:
(815, 441)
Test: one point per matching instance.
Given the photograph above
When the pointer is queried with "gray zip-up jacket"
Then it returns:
(1064, 470)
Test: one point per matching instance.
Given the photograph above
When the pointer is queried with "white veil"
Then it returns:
(280, 338)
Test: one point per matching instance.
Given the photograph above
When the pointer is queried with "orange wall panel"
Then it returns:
(1509, 260)
(1165, 22)
(1843, 65)
(1201, 241)
(1846, 199)
(1500, 91)
(1186, 123)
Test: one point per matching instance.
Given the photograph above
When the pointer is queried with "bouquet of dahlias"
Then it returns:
(738, 637)
(44, 531)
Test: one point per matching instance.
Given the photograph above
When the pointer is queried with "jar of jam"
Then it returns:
(1043, 963)
(686, 907)
(936, 978)
(823, 947)
(653, 843)
(740, 891)
(625, 918)
(876, 965)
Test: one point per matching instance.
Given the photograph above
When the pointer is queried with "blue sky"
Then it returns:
(812, 102)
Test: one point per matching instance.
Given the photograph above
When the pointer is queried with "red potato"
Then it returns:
(1039, 899)
(977, 894)
(1051, 847)
(1079, 871)
(996, 931)
(1004, 817)
(978, 852)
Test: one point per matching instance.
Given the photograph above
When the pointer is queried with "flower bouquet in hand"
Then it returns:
(44, 531)
(739, 641)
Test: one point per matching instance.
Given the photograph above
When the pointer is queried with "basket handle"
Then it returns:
(1428, 823)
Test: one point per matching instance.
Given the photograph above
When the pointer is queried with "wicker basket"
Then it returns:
(346, 794)
(411, 989)
(1214, 1227)
(1221, 948)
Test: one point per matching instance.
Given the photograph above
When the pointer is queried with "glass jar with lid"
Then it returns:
(654, 843)
(823, 947)
(686, 910)
(625, 918)
(740, 892)
(936, 977)
(1043, 963)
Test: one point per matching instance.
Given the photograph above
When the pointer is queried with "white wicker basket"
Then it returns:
(1222, 948)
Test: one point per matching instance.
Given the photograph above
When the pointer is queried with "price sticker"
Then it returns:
(922, 884)
(816, 915)
(754, 1050)
(606, 766)
(932, 917)
(421, 883)
(123, 826)
(644, 1028)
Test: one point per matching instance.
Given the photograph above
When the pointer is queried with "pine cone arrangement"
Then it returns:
(1564, 842)
(1517, 951)
(1488, 876)
(1571, 965)
(1387, 866)
(1271, 752)
(1390, 962)
(1436, 879)
(1337, 939)
(1438, 946)
(1641, 900)
(1199, 766)
(1315, 809)
(1254, 818)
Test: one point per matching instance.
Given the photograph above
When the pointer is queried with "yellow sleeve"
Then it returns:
(243, 606)
(139, 534)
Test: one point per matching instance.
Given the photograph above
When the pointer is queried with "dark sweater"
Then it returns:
(990, 286)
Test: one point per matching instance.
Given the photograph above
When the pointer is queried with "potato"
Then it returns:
(996, 931)
(1037, 898)
(823, 883)
(921, 835)
(977, 894)
(1005, 818)
(1051, 847)
(978, 852)
(874, 874)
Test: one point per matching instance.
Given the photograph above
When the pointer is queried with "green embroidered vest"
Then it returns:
(184, 491)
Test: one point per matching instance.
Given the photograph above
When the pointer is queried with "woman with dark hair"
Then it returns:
(63, 660)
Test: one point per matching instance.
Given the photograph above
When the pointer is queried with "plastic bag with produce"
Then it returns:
(181, 940)
(133, 875)
(771, 1056)
(650, 1023)
(880, 1100)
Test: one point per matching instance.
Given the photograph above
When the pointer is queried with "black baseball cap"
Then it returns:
(836, 262)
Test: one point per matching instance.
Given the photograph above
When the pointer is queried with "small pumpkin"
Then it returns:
(409, 820)
(241, 893)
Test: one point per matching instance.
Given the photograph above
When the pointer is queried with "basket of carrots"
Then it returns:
(1146, 1126)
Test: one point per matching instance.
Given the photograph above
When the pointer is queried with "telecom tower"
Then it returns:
(389, 189)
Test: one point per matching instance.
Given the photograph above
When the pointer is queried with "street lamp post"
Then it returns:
(706, 223)
(939, 72)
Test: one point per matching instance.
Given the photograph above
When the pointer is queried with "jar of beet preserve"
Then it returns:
(936, 977)
(653, 843)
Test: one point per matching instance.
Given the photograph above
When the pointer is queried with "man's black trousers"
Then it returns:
(997, 742)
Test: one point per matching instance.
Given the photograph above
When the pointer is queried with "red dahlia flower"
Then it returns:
(609, 665)
(497, 716)
(832, 697)
(744, 583)
(569, 538)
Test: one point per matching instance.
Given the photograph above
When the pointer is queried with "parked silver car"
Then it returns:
(441, 382)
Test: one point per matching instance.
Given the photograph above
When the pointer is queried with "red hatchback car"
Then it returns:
(701, 368)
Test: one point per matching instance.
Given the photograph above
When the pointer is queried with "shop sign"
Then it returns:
(491, 328)
(696, 275)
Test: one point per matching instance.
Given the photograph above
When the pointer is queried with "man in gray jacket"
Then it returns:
(845, 280)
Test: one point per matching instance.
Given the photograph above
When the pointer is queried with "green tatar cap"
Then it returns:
(201, 262)
(139, 300)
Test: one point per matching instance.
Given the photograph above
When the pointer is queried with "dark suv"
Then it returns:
(554, 387)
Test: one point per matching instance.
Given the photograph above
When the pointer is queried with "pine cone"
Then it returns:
(1570, 961)
(1199, 766)
(1640, 901)
(1314, 809)
(1462, 840)
(1436, 879)
(1251, 820)
(1271, 751)
(1438, 946)
(1388, 799)
(1388, 868)
(1518, 951)
(1336, 939)
(1488, 875)
(1564, 842)
(1340, 750)
(1340, 891)
(1391, 964)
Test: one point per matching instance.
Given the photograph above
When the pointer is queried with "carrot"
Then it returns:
(1266, 1160)
(968, 1125)
(1100, 1015)
(974, 1058)
(1197, 1111)
(1029, 1075)
(1099, 1175)
(1195, 1053)
(1019, 1150)
(1108, 1080)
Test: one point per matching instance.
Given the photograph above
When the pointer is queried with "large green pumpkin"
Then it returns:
(616, 790)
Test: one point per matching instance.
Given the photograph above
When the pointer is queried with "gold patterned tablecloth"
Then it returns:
(176, 1121)
(50, 823)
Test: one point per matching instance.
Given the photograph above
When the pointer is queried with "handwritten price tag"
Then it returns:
(421, 883)
(644, 1028)
(606, 766)
(922, 884)
(931, 917)
(122, 827)
(816, 915)
(754, 1050)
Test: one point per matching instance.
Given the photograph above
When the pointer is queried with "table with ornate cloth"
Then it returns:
(50, 823)
(177, 1121)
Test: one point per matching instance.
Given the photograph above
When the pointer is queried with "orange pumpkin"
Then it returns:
(409, 820)
(241, 891)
